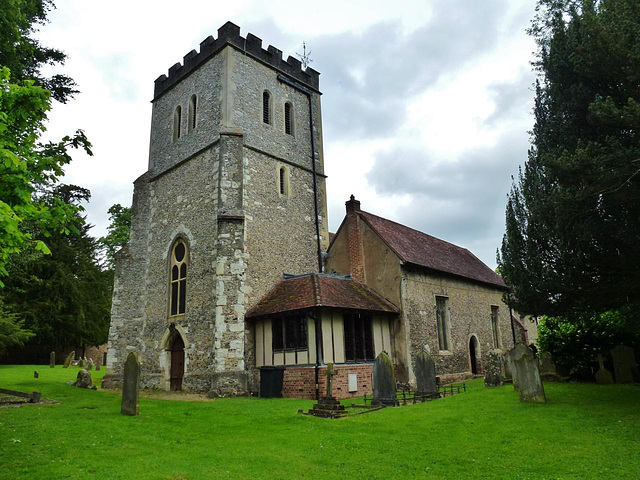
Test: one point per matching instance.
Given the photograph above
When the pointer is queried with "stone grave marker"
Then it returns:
(131, 385)
(328, 406)
(425, 370)
(493, 369)
(83, 380)
(89, 364)
(81, 362)
(36, 374)
(528, 375)
(603, 376)
(52, 359)
(384, 381)
(511, 366)
(68, 360)
(624, 364)
(99, 364)
(548, 370)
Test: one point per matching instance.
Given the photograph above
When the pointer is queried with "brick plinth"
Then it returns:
(300, 382)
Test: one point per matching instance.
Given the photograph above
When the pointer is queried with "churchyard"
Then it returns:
(583, 431)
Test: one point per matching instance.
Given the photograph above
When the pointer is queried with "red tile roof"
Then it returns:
(320, 290)
(421, 249)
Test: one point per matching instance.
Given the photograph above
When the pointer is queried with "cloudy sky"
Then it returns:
(426, 105)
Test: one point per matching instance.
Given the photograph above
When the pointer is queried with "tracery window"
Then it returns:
(178, 278)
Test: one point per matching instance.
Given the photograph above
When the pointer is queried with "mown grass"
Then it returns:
(584, 431)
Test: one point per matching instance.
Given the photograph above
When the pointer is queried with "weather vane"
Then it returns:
(305, 57)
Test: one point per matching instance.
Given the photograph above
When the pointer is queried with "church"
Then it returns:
(230, 283)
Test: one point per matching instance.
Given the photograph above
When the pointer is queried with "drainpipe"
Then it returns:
(316, 322)
(303, 90)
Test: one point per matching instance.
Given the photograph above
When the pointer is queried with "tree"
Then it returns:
(64, 298)
(573, 215)
(23, 55)
(12, 333)
(119, 230)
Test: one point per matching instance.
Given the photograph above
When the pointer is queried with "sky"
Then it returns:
(426, 106)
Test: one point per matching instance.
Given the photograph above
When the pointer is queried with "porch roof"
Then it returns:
(320, 290)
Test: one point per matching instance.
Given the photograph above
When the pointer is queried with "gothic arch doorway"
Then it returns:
(474, 351)
(176, 349)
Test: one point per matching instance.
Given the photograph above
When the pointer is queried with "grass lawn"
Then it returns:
(584, 431)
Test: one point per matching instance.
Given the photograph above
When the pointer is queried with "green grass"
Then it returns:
(584, 431)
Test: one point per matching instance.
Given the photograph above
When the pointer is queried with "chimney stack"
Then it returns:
(354, 239)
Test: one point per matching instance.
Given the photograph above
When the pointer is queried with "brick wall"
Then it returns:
(300, 382)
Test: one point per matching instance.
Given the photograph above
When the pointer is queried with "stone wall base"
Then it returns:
(299, 382)
(229, 384)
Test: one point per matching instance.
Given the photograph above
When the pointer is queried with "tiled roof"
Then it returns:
(320, 290)
(421, 249)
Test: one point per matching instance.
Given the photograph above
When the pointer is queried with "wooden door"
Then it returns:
(177, 363)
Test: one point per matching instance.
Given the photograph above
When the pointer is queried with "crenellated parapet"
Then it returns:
(229, 34)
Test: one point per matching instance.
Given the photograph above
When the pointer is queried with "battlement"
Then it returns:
(229, 34)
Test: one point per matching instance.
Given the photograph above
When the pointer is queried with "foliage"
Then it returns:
(573, 215)
(12, 333)
(581, 430)
(23, 54)
(65, 297)
(576, 343)
(119, 229)
(27, 165)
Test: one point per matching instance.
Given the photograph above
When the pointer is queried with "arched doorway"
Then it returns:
(473, 354)
(177, 361)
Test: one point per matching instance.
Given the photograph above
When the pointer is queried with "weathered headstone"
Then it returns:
(89, 364)
(68, 360)
(328, 406)
(603, 376)
(329, 373)
(36, 374)
(528, 375)
(83, 380)
(548, 370)
(493, 369)
(384, 381)
(81, 362)
(52, 359)
(425, 370)
(131, 385)
(624, 364)
(99, 364)
(511, 366)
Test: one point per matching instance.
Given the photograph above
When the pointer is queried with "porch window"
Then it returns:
(358, 338)
(289, 333)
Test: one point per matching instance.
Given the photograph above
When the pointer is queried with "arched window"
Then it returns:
(288, 118)
(266, 107)
(284, 189)
(178, 278)
(177, 121)
(193, 112)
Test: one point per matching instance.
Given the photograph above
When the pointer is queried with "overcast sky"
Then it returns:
(426, 105)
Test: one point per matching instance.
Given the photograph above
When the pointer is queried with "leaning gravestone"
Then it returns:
(548, 370)
(52, 359)
(131, 385)
(511, 366)
(384, 381)
(425, 370)
(528, 375)
(493, 369)
(624, 364)
(68, 360)
(603, 376)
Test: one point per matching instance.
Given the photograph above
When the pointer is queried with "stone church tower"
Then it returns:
(233, 197)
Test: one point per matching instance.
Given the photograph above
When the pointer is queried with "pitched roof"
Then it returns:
(421, 249)
(320, 290)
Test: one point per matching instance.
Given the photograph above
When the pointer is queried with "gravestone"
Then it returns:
(99, 364)
(528, 375)
(81, 362)
(131, 385)
(425, 370)
(511, 366)
(493, 369)
(83, 380)
(548, 370)
(624, 364)
(89, 364)
(328, 406)
(384, 381)
(68, 360)
(36, 374)
(52, 359)
(603, 376)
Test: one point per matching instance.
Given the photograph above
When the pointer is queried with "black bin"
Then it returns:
(271, 382)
